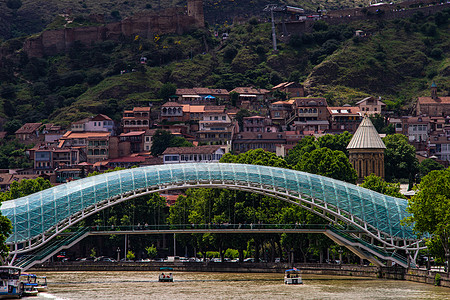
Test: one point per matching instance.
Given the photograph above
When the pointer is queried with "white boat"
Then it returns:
(41, 283)
(10, 285)
(292, 276)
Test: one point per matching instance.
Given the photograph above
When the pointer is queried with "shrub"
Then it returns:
(437, 279)
(436, 53)
(14, 4)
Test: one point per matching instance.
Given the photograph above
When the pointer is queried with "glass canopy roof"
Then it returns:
(37, 213)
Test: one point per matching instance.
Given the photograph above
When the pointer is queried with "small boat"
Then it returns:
(10, 286)
(292, 276)
(28, 281)
(165, 277)
(41, 283)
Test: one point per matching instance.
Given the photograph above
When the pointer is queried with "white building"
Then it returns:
(200, 154)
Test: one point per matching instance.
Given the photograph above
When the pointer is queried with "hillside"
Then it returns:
(35, 15)
(397, 61)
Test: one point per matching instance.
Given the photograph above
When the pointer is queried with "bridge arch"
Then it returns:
(39, 217)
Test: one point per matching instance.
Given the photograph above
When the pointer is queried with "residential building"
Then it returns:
(418, 128)
(253, 96)
(371, 106)
(257, 124)
(48, 158)
(98, 146)
(439, 146)
(29, 133)
(216, 126)
(193, 112)
(52, 132)
(292, 89)
(202, 96)
(345, 118)
(137, 119)
(99, 122)
(172, 112)
(434, 106)
(148, 139)
(134, 140)
(281, 111)
(310, 115)
(200, 154)
(268, 141)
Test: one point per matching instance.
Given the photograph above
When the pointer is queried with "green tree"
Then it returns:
(306, 144)
(428, 165)
(329, 163)
(130, 255)
(25, 187)
(163, 139)
(255, 157)
(234, 96)
(335, 141)
(240, 115)
(168, 89)
(151, 251)
(430, 208)
(399, 158)
(12, 126)
(5, 231)
(378, 184)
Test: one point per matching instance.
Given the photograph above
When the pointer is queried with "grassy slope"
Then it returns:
(392, 63)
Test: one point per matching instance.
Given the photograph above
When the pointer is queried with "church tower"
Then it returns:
(195, 9)
(434, 91)
(366, 151)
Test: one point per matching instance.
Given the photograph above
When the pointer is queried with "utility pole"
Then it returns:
(271, 8)
(274, 35)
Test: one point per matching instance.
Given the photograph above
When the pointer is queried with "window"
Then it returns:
(224, 118)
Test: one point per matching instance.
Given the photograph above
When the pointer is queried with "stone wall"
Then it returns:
(172, 20)
(396, 273)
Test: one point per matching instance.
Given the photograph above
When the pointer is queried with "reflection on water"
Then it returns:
(145, 285)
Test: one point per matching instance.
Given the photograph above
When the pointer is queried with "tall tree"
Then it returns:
(329, 163)
(378, 184)
(335, 141)
(399, 158)
(306, 144)
(428, 165)
(430, 209)
(164, 139)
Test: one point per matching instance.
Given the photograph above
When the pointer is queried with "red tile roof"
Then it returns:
(429, 100)
(28, 128)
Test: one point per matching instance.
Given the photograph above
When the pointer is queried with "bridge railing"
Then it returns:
(368, 245)
(211, 226)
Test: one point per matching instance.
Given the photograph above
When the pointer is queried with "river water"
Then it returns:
(144, 285)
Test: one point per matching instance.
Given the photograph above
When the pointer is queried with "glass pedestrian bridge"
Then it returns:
(39, 217)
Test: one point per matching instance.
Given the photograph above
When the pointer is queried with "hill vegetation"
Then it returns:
(397, 60)
(25, 17)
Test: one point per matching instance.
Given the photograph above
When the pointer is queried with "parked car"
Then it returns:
(250, 259)
(105, 258)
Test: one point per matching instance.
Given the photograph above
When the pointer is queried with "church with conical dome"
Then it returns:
(366, 151)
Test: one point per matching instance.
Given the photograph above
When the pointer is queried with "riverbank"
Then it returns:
(397, 273)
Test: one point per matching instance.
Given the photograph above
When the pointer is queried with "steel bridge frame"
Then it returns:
(330, 212)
